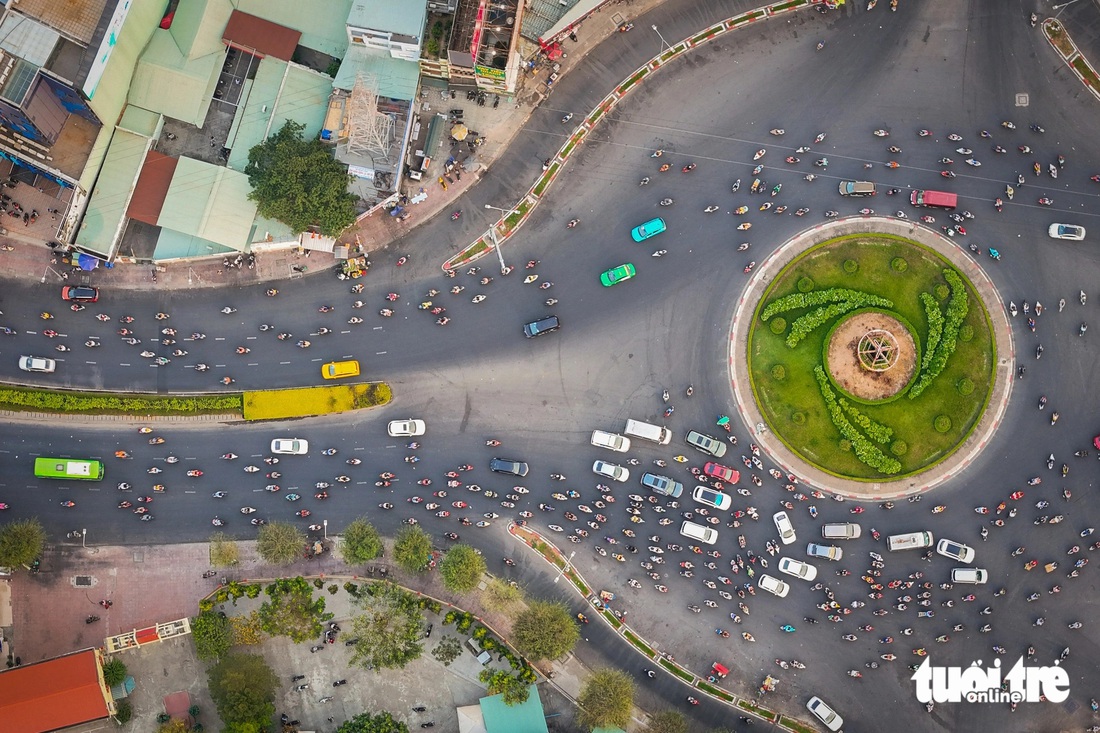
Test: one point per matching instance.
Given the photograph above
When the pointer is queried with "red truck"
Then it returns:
(938, 199)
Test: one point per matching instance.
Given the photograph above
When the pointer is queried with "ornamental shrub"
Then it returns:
(899, 447)
(934, 316)
(957, 309)
(778, 325)
(851, 267)
(964, 387)
(941, 291)
(876, 431)
(845, 445)
(798, 418)
(898, 264)
(804, 325)
(865, 451)
(779, 372)
(942, 423)
(795, 301)
(805, 284)
(966, 333)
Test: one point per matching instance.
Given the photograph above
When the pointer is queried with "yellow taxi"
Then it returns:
(340, 369)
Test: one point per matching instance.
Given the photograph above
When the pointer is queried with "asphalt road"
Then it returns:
(942, 66)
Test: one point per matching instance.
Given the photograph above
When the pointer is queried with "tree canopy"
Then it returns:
(279, 543)
(667, 721)
(212, 634)
(606, 699)
(21, 542)
(545, 630)
(293, 611)
(360, 542)
(243, 689)
(379, 723)
(224, 551)
(299, 183)
(389, 634)
(515, 690)
(462, 568)
(412, 548)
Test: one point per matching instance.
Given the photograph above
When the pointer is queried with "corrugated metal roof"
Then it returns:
(397, 78)
(391, 16)
(279, 92)
(527, 717)
(209, 202)
(50, 695)
(75, 19)
(322, 31)
(165, 81)
(151, 188)
(197, 26)
(263, 36)
(107, 205)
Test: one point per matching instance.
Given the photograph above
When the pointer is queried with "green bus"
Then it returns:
(75, 468)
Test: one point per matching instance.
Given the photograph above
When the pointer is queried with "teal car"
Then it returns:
(617, 275)
(651, 228)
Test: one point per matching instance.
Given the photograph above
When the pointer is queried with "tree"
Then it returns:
(212, 633)
(360, 542)
(447, 650)
(502, 595)
(366, 723)
(667, 721)
(412, 549)
(545, 630)
(461, 569)
(515, 690)
(175, 725)
(606, 699)
(114, 672)
(247, 630)
(243, 689)
(389, 633)
(21, 542)
(299, 183)
(293, 611)
(279, 543)
(224, 551)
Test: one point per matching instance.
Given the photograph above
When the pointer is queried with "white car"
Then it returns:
(611, 441)
(710, 497)
(1066, 231)
(824, 713)
(797, 568)
(786, 529)
(955, 551)
(773, 585)
(37, 364)
(405, 428)
(290, 446)
(610, 470)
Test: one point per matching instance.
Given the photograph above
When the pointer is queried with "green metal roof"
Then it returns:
(397, 78)
(279, 92)
(526, 718)
(107, 205)
(209, 202)
(322, 30)
(166, 81)
(394, 16)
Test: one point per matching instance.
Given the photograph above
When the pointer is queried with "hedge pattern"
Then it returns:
(795, 301)
(957, 309)
(876, 431)
(935, 328)
(804, 325)
(862, 448)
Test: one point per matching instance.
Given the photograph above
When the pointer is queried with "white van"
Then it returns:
(910, 541)
(969, 575)
(659, 435)
(840, 531)
(698, 532)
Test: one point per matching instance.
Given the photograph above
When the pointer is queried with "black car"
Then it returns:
(513, 468)
(545, 324)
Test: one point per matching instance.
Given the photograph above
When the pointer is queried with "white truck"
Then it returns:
(909, 541)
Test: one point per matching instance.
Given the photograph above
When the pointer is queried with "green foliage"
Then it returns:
(805, 324)
(293, 611)
(279, 543)
(360, 542)
(299, 183)
(605, 700)
(957, 309)
(805, 284)
(941, 291)
(389, 632)
(845, 445)
(964, 387)
(498, 681)
(333, 68)
(779, 372)
(778, 325)
(863, 449)
(461, 569)
(247, 630)
(243, 689)
(794, 301)
(798, 417)
(501, 595)
(898, 264)
(193, 711)
(876, 431)
(899, 447)
(966, 333)
(212, 633)
(40, 400)
(412, 548)
(545, 631)
(447, 650)
(935, 328)
(851, 267)
(124, 711)
(21, 542)
(666, 721)
(224, 551)
(114, 672)
(431, 48)
(942, 423)
(378, 723)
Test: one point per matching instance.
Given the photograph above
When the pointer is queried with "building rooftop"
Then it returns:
(400, 17)
(77, 20)
(54, 694)
(107, 205)
(262, 36)
(325, 32)
(526, 718)
(397, 78)
(166, 81)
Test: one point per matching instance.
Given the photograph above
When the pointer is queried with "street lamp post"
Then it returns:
(324, 523)
(663, 41)
(84, 538)
(1061, 7)
(493, 235)
(565, 567)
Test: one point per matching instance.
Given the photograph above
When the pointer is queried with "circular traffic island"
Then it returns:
(871, 357)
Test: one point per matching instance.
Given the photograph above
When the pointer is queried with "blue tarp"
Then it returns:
(87, 262)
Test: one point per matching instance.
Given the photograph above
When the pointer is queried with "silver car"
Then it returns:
(610, 470)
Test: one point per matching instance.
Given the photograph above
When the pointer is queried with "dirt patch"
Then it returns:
(853, 377)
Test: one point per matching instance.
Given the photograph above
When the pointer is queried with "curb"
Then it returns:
(1050, 25)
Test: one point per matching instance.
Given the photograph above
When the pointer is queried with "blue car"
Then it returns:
(651, 228)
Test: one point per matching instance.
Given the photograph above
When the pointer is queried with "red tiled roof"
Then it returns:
(53, 694)
(151, 188)
(260, 36)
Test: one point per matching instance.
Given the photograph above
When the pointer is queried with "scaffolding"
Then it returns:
(369, 130)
